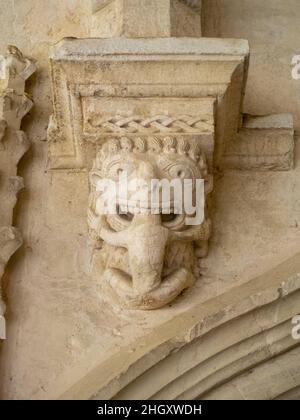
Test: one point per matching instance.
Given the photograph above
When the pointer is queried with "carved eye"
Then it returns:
(167, 218)
(126, 217)
(181, 173)
(173, 221)
(115, 169)
(179, 170)
(120, 221)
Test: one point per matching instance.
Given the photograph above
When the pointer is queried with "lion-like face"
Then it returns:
(150, 257)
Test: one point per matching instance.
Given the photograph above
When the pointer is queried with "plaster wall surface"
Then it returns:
(272, 28)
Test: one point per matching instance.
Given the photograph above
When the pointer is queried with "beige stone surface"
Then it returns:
(271, 26)
(145, 19)
(262, 143)
(266, 382)
(63, 291)
(253, 312)
(139, 80)
(148, 255)
(61, 337)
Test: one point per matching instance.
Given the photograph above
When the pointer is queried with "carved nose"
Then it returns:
(146, 250)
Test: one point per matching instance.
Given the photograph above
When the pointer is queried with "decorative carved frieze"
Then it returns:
(100, 4)
(15, 69)
(145, 19)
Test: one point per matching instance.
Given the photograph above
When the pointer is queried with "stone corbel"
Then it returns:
(156, 104)
(15, 69)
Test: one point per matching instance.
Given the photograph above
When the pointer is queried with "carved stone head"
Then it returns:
(147, 247)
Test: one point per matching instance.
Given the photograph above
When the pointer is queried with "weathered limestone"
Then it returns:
(145, 19)
(15, 69)
(61, 329)
(137, 96)
(125, 91)
(210, 343)
(159, 261)
(263, 143)
(267, 381)
(94, 80)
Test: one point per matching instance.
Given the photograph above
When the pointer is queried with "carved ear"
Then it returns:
(95, 177)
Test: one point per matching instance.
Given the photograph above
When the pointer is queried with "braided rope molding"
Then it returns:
(152, 125)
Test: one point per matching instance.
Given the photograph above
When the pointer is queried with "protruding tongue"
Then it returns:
(146, 249)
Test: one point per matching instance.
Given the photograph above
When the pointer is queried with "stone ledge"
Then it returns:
(68, 49)
(143, 68)
(265, 122)
(264, 143)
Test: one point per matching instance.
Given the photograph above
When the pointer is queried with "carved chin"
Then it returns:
(120, 286)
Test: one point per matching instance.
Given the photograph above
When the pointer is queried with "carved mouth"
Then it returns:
(128, 278)
(121, 285)
(135, 206)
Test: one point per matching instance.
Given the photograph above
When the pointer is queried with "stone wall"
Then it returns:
(271, 26)
(65, 314)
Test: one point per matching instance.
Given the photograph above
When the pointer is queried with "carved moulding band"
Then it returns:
(194, 4)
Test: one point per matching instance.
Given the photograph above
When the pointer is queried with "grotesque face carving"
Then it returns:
(148, 256)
